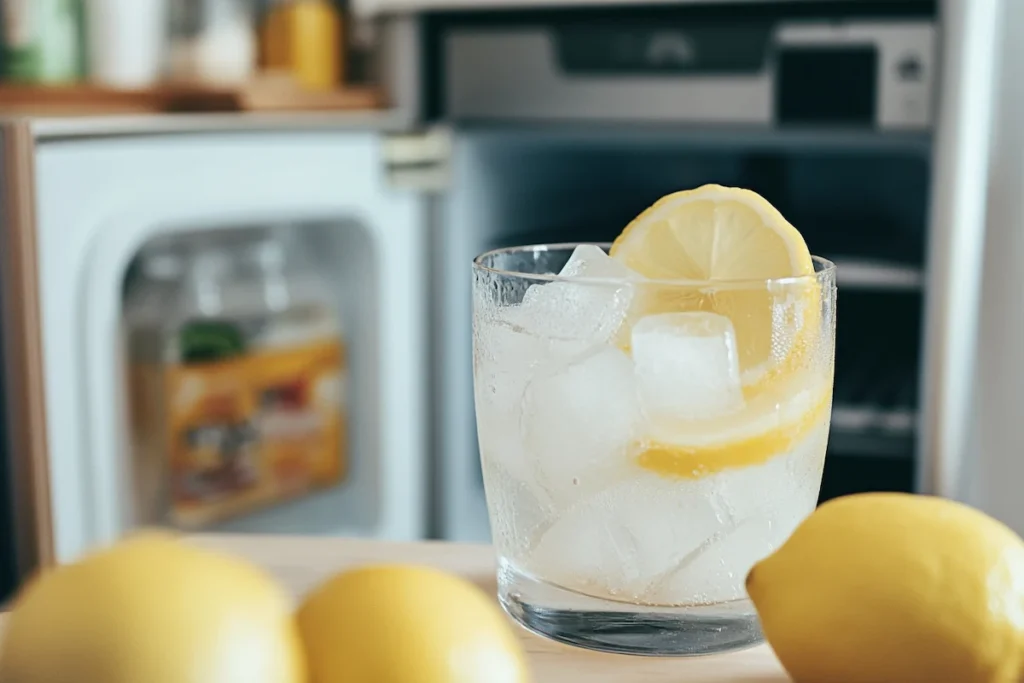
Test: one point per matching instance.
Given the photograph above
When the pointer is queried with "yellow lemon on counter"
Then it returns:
(895, 588)
(406, 624)
(152, 609)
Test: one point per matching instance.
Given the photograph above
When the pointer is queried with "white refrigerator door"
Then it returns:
(991, 465)
(98, 200)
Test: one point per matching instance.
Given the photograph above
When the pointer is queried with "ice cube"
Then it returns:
(591, 261)
(590, 312)
(579, 421)
(618, 542)
(716, 570)
(519, 509)
(805, 466)
(785, 487)
(505, 360)
(767, 502)
(687, 366)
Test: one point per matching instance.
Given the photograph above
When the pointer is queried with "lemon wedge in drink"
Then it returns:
(728, 251)
(763, 430)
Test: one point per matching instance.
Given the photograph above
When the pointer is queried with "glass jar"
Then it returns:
(42, 41)
(126, 40)
(304, 39)
(212, 41)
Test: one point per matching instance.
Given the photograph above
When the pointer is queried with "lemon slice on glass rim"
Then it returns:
(729, 251)
(725, 250)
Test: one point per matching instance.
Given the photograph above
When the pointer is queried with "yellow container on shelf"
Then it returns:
(304, 38)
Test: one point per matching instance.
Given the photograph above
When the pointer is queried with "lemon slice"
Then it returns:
(713, 233)
(728, 251)
(727, 248)
(773, 424)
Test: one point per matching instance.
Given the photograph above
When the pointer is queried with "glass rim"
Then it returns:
(827, 269)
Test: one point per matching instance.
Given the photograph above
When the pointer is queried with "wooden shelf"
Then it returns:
(270, 94)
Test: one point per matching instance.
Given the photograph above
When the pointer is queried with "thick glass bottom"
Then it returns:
(609, 626)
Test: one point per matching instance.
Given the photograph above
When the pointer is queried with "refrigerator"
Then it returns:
(86, 210)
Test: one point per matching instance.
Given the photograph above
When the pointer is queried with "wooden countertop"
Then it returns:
(374, 7)
(301, 563)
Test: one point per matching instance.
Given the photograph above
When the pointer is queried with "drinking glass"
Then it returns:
(644, 443)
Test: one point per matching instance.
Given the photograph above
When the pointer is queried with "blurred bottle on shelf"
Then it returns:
(212, 41)
(236, 376)
(126, 40)
(152, 290)
(361, 45)
(304, 38)
(42, 41)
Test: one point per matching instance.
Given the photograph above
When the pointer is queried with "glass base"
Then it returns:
(624, 628)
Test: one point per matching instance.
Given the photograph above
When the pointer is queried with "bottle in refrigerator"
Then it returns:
(42, 41)
(303, 38)
(126, 42)
(238, 372)
(212, 42)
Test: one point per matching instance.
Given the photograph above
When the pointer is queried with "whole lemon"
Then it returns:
(406, 624)
(895, 588)
(152, 609)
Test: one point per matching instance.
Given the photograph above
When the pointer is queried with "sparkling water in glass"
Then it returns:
(645, 442)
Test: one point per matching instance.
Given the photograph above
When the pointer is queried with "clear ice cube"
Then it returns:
(687, 366)
(588, 312)
(620, 541)
(519, 509)
(716, 571)
(579, 421)
(505, 359)
(763, 504)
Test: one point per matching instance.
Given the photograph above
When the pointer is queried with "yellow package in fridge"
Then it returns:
(253, 430)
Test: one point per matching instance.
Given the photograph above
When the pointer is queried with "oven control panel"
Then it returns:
(685, 66)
